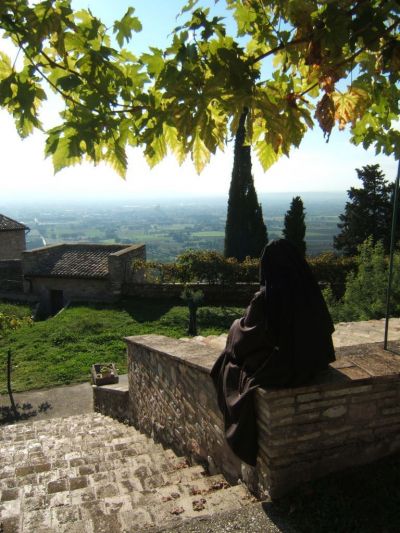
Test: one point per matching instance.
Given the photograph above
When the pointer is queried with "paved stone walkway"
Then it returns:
(51, 403)
(91, 474)
(346, 334)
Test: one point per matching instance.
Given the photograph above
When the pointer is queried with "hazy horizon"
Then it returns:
(174, 197)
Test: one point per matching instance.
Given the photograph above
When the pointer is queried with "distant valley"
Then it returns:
(167, 226)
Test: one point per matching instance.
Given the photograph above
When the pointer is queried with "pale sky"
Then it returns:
(315, 166)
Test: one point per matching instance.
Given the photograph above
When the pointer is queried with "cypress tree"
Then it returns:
(245, 231)
(294, 227)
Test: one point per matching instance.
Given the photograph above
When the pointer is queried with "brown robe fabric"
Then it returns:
(283, 340)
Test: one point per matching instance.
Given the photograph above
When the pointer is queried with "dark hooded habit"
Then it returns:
(283, 340)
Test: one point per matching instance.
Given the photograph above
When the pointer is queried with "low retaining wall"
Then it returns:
(238, 294)
(350, 415)
(111, 400)
(171, 398)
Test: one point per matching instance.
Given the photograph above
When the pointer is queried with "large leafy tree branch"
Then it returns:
(332, 63)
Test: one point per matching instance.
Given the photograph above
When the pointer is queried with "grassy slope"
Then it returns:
(62, 349)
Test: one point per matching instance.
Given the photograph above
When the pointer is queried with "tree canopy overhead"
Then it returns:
(332, 63)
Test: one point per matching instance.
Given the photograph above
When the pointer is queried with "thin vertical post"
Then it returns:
(392, 243)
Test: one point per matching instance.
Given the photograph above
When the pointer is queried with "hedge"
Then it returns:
(206, 266)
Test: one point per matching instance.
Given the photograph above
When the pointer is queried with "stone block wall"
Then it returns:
(78, 290)
(111, 401)
(12, 244)
(350, 415)
(172, 398)
(238, 294)
(313, 431)
(11, 276)
(30, 260)
(120, 265)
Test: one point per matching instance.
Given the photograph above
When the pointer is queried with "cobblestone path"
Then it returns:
(91, 474)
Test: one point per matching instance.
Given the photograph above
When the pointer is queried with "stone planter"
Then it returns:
(104, 374)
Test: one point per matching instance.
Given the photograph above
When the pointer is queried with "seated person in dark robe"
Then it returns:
(283, 340)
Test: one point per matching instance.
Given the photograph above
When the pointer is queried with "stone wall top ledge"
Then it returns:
(202, 357)
(189, 353)
(328, 385)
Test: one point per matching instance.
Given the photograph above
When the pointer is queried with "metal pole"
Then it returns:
(392, 243)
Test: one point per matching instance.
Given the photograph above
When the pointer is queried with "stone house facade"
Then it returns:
(60, 273)
(12, 238)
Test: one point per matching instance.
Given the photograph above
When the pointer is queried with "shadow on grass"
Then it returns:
(148, 310)
(25, 411)
(365, 499)
(218, 317)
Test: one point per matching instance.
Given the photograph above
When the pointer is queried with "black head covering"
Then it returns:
(283, 340)
(295, 308)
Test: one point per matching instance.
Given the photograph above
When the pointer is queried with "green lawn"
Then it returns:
(208, 234)
(62, 349)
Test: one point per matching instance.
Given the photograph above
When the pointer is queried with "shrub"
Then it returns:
(212, 267)
(365, 296)
(332, 270)
(366, 289)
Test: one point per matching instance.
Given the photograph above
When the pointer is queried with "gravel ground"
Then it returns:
(255, 518)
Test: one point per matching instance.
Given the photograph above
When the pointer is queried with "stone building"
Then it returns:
(60, 273)
(12, 238)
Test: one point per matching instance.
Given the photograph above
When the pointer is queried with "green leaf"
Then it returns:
(171, 138)
(117, 158)
(188, 6)
(200, 154)
(69, 83)
(124, 27)
(266, 154)
(154, 61)
(5, 66)
(156, 151)
(61, 156)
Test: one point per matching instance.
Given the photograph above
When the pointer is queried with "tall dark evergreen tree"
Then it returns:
(368, 213)
(245, 230)
(294, 229)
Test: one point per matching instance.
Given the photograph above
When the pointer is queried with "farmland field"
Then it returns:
(169, 227)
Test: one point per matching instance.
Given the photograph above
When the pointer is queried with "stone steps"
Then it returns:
(90, 473)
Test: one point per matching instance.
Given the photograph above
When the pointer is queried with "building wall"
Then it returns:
(73, 289)
(120, 265)
(304, 433)
(12, 244)
(11, 276)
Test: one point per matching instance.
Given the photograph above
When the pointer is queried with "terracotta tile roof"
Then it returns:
(7, 224)
(72, 260)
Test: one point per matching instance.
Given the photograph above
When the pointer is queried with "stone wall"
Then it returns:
(12, 244)
(120, 265)
(350, 415)
(238, 294)
(172, 398)
(111, 401)
(78, 290)
(11, 276)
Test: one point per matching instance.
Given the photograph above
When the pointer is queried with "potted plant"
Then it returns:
(104, 374)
